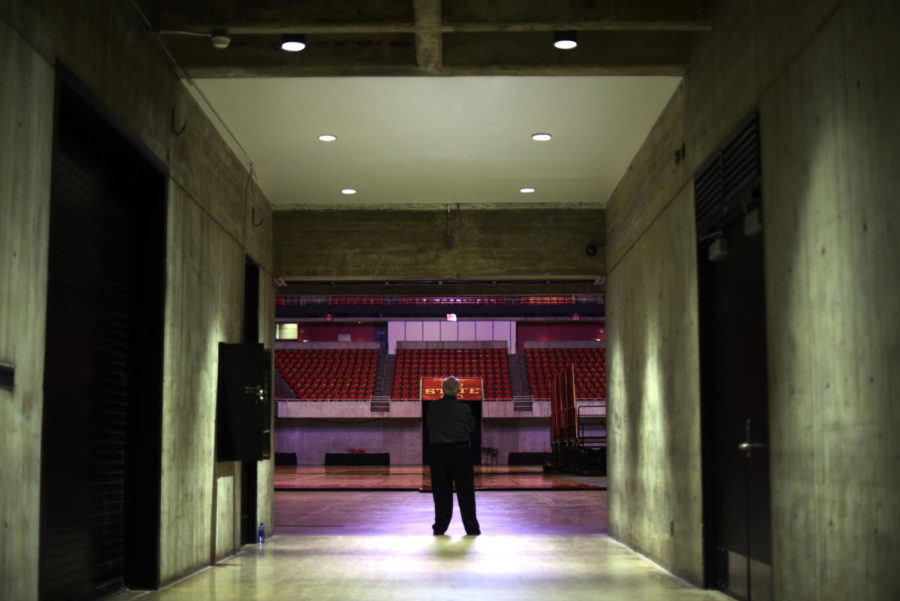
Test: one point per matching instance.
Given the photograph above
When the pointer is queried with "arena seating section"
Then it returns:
(590, 370)
(329, 375)
(490, 364)
(349, 374)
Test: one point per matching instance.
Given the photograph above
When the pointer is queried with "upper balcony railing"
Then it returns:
(448, 301)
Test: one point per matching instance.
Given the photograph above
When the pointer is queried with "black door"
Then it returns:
(735, 409)
(101, 433)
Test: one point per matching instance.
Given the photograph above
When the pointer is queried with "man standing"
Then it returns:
(449, 423)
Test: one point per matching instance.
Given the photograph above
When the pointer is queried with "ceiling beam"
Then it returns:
(242, 17)
(432, 37)
(621, 55)
(527, 53)
(611, 50)
(429, 41)
(225, 71)
(467, 27)
(541, 15)
(607, 25)
(413, 288)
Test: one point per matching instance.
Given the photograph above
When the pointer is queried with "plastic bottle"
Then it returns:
(262, 533)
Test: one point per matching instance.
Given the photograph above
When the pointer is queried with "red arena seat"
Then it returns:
(590, 370)
(489, 364)
(329, 374)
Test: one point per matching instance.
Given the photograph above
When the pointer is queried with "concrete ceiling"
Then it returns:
(433, 101)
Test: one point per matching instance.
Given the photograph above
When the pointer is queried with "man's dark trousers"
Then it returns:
(452, 462)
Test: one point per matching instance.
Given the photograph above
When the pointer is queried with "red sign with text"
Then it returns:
(471, 389)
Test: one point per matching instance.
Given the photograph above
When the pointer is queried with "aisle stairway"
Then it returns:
(384, 377)
(518, 375)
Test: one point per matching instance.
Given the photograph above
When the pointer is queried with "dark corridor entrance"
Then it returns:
(101, 436)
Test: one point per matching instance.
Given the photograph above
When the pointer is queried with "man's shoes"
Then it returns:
(475, 533)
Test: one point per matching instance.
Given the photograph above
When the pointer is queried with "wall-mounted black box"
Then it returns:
(7, 375)
(244, 403)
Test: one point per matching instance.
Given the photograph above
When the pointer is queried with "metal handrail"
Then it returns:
(526, 299)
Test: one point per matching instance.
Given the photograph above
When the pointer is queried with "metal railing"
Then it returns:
(364, 300)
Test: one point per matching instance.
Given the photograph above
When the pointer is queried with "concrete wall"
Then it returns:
(25, 149)
(330, 332)
(655, 500)
(530, 334)
(827, 95)
(193, 483)
(389, 244)
(653, 403)
(515, 434)
(105, 45)
(831, 149)
(310, 439)
(438, 330)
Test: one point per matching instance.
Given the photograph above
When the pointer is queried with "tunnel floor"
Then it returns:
(377, 545)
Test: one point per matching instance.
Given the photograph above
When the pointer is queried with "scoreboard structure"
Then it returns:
(430, 389)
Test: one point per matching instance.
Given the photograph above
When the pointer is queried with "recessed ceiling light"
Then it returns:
(348, 191)
(293, 42)
(526, 190)
(565, 40)
(541, 137)
(327, 138)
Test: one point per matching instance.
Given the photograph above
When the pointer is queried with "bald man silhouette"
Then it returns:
(450, 423)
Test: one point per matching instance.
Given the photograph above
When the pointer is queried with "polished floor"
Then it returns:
(374, 546)
(414, 477)
(371, 513)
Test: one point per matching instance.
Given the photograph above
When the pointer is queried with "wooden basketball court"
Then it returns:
(412, 477)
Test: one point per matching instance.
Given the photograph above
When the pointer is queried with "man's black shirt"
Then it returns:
(449, 420)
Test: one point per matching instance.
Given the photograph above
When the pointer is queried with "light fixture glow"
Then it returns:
(526, 190)
(220, 40)
(293, 42)
(327, 138)
(565, 40)
(348, 191)
(541, 137)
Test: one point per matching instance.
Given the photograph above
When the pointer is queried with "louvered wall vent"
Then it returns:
(723, 186)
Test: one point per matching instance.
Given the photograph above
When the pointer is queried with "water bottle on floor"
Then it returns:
(262, 533)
